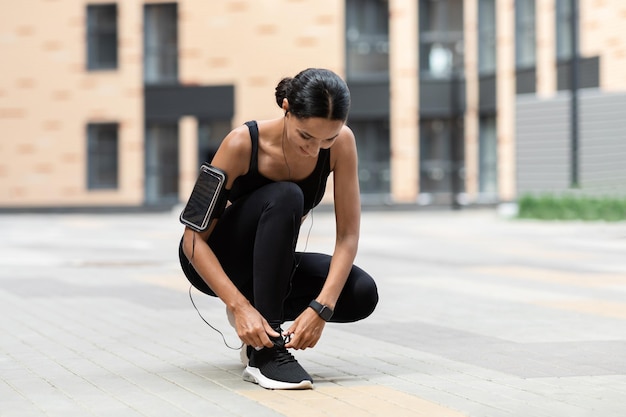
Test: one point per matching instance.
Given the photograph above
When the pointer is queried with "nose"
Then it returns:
(313, 149)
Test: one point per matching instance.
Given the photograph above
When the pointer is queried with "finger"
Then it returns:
(256, 341)
(266, 341)
(293, 341)
(269, 330)
(299, 342)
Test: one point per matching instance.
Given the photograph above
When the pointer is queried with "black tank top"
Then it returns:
(313, 186)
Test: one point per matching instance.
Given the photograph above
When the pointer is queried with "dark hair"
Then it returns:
(315, 92)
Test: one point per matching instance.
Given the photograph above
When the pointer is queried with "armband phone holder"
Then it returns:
(207, 199)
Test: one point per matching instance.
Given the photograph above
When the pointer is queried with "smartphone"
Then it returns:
(206, 193)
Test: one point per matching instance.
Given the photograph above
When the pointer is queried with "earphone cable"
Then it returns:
(210, 325)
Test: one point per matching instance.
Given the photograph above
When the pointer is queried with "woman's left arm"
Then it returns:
(347, 217)
(308, 326)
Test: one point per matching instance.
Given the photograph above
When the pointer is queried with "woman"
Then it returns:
(276, 173)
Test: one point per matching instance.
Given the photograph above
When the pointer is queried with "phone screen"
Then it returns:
(202, 199)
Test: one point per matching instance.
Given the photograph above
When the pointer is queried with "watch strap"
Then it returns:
(322, 310)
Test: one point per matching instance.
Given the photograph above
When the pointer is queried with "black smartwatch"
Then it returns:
(324, 312)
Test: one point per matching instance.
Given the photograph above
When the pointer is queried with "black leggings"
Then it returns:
(255, 242)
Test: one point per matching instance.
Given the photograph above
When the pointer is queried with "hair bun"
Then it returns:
(282, 90)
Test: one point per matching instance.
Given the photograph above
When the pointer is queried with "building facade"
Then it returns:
(115, 103)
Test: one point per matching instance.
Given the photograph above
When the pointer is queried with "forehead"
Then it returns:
(318, 127)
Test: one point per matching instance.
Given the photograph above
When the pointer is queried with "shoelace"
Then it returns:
(282, 356)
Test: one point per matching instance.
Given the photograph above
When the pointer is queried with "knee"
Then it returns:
(286, 196)
(367, 294)
(359, 299)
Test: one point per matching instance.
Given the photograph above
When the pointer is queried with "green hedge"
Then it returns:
(568, 207)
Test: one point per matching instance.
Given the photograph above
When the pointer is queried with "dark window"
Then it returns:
(563, 30)
(442, 158)
(488, 159)
(161, 162)
(210, 136)
(374, 155)
(102, 150)
(487, 36)
(160, 44)
(367, 39)
(440, 37)
(525, 39)
(101, 36)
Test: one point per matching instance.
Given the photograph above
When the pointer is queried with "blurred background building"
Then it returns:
(115, 103)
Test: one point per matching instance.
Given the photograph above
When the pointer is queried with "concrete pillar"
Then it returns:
(546, 48)
(472, 97)
(505, 98)
(187, 156)
(403, 73)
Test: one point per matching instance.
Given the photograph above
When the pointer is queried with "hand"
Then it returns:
(305, 331)
(252, 328)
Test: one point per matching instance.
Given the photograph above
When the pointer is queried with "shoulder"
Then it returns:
(347, 135)
(238, 140)
(234, 153)
(345, 146)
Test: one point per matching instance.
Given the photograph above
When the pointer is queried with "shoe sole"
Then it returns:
(254, 375)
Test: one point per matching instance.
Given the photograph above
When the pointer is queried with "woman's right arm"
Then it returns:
(232, 157)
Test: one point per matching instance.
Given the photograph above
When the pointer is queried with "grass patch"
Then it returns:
(569, 207)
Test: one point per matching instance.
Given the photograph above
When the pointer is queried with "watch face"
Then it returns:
(326, 313)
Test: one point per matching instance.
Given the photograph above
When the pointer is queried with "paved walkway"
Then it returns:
(478, 316)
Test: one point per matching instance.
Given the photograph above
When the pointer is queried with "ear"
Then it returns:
(285, 106)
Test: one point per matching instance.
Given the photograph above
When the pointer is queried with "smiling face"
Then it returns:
(308, 135)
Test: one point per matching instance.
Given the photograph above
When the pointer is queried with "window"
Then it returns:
(441, 37)
(367, 43)
(160, 44)
(210, 136)
(563, 30)
(101, 36)
(488, 158)
(525, 34)
(374, 155)
(442, 153)
(487, 36)
(102, 156)
(161, 162)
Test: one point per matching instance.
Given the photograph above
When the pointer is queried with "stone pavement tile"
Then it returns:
(355, 400)
(449, 398)
(13, 403)
(599, 394)
(41, 396)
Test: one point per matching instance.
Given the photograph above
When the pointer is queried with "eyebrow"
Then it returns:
(302, 132)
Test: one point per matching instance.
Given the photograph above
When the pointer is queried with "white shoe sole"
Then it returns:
(254, 375)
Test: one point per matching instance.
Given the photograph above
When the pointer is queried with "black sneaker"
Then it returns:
(276, 368)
